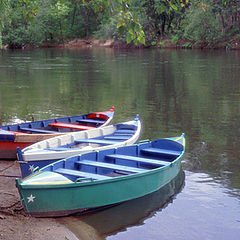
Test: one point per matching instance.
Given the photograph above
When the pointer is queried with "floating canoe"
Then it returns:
(24, 134)
(45, 152)
(101, 178)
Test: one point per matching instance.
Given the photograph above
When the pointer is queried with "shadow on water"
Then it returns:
(103, 223)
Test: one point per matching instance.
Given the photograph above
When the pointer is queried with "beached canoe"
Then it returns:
(101, 178)
(45, 152)
(24, 134)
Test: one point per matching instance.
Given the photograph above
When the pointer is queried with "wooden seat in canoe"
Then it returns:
(124, 131)
(76, 173)
(110, 166)
(58, 149)
(91, 121)
(70, 126)
(159, 152)
(123, 134)
(97, 141)
(138, 159)
(117, 137)
(35, 130)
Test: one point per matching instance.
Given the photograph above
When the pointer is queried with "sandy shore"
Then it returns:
(14, 222)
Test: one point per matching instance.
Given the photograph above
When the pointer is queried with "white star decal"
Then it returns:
(31, 167)
(31, 198)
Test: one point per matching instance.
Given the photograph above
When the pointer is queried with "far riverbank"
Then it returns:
(232, 44)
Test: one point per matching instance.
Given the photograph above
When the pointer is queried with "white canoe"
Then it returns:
(45, 152)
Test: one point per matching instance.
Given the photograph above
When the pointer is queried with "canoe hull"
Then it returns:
(60, 200)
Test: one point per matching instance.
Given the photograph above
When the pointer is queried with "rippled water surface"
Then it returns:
(195, 92)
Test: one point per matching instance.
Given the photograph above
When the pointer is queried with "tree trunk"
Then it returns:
(87, 27)
(74, 14)
(238, 20)
(60, 26)
(86, 21)
(0, 37)
(163, 25)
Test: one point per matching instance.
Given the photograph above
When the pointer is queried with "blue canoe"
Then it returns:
(101, 178)
(24, 134)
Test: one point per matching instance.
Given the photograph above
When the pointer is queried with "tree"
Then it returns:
(213, 21)
(127, 22)
(3, 11)
(229, 13)
(202, 26)
(60, 10)
(15, 18)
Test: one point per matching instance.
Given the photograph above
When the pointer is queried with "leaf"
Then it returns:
(119, 24)
(129, 38)
(135, 41)
(142, 40)
(121, 30)
(174, 7)
(131, 31)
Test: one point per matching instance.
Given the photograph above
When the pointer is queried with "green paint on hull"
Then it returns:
(64, 199)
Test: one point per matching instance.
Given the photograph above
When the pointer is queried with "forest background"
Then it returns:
(139, 23)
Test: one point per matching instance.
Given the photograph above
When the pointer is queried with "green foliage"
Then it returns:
(3, 16)
(187, 45)
(109, 30)
(139, 21)
(153, 43)
(0, 37)
(59, 10)
(127, 23)
(202, 26)
(159, 17)
(22, 28)
(175, 38)
(161, 44)
(29, 9)
(54, 20)
(123, 19)
(15, 30)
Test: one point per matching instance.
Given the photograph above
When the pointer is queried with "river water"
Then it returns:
(174, 91)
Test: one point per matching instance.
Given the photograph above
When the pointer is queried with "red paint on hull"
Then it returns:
(8, 150)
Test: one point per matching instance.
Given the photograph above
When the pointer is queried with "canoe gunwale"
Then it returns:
(95, 182)
(52, 155)
(28, 137)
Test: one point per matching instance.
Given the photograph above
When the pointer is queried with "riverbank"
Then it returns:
(15, 223)
(166, 43)
(232, 44)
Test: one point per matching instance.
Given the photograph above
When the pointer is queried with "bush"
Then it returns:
(202, 26)
(109, 30)
(174, 38)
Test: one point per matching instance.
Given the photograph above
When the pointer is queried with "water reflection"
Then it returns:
(107, 222)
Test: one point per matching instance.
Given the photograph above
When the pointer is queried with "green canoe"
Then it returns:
(101, 178)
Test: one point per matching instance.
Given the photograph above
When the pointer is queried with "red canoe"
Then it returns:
(24, 134)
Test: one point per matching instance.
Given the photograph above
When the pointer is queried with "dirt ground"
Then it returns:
(15, 223)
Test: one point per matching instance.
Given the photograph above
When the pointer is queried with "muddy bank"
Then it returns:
(165, 43)
(80, 43)
(232, 44)
(15, 223)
